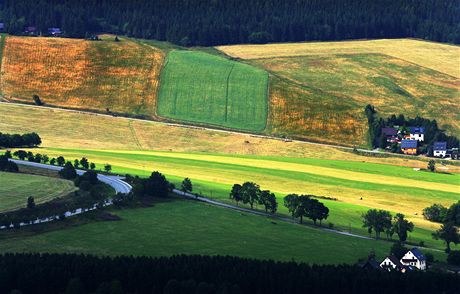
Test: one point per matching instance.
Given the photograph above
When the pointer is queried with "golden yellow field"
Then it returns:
(441, 57)
(122, 76)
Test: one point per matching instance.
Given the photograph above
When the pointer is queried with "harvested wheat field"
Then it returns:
(122, 76)
(441, 57)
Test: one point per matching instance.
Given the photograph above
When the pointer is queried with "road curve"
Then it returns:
(115, 182)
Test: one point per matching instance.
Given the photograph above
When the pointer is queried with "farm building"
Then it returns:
(414, 258)
(391, 134)
(409, 147)
(440, 149)
(417, 133)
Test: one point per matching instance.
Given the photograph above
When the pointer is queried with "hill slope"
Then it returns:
(122, 76)
(319, 90)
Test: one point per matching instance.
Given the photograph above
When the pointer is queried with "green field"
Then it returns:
(358, 186)
(16, 188)
(188, 227)
(204, 88)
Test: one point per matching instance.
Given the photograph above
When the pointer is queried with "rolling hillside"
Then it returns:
(203, 88)
(122, 76)
(318, 90)
(209, 159)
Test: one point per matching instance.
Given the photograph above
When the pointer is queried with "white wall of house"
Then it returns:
(418, 137)
(410, 259)
(386, 263)
(439, 153)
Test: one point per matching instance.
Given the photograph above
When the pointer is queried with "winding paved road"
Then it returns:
(115, 182)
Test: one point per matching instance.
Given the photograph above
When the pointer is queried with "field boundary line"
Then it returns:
(227, 90)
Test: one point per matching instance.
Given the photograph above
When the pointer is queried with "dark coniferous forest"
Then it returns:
(213, 22)
(51, 273)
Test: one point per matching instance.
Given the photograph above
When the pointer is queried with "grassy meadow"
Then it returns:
(188, 227)
(122, 76)
(16, 188)
(204, 88)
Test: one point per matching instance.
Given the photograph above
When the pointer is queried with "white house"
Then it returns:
(392, 263)
(440, 149)
(417, 133)
(414, 258)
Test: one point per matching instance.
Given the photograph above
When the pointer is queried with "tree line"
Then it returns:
(211, 22)
(432, 131)
(18, 140)
(450, 219)
(72, 273)
(381, 221)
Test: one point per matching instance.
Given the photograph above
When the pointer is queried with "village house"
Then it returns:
(440, 149)
(409, 147)
(417, 133)
(30, 31)
(54, 32)
(392, 263)
(414, 258)
(391, 134)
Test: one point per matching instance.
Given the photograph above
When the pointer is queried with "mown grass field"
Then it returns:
(357, 186)
(318, 90)
(188, 227)
(90, 131)
(204, 88)
(122, 76)
(16, 188)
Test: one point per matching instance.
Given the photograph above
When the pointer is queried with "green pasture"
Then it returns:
(15, 188)
(204, 88)
(214, 178)
(189, 227)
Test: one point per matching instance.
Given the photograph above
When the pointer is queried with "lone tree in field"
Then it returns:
(235, 194)
(431, 165)
(377, 220)
(268, 200)
(30, 202)
(37, 100)
(402, 226)
(186, 186)
(108, 168)
(448, 233)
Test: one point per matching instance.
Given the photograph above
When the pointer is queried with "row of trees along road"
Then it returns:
(250, 193)
(305, 206)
